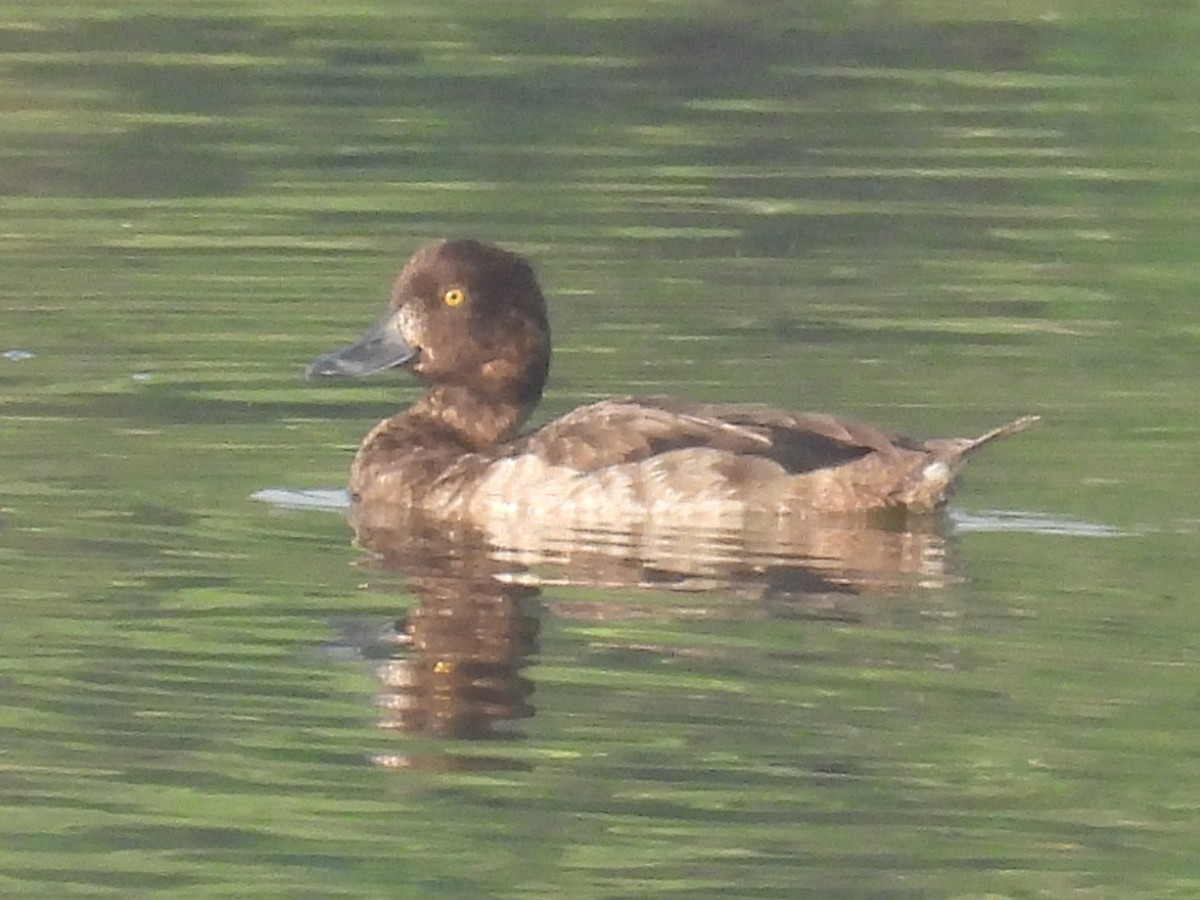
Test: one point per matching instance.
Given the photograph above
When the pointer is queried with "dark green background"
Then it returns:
(931, 219)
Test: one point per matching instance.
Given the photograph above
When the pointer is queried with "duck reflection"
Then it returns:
(452, 666)
(461, 653)
(457, 663)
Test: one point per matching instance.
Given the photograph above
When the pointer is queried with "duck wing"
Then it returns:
(631, 429)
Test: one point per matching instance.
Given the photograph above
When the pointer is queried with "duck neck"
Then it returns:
(477, 421)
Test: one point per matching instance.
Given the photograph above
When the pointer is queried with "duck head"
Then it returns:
(462, 314)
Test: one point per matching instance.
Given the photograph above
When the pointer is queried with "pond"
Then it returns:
(928, 219)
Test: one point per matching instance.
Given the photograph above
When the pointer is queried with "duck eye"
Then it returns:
(454, 297)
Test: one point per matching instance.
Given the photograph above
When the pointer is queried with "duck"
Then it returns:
(469, 319)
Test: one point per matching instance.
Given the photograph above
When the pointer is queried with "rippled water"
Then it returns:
(921, 217)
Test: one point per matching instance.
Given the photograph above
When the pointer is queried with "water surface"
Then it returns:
(929, 219)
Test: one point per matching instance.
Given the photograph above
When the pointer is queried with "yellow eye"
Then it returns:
(454, 297)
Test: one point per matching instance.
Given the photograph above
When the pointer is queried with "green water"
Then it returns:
(924, 218)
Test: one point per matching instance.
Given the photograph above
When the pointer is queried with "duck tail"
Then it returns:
(1016, 426)
(934, 480)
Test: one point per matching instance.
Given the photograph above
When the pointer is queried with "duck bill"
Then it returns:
(381, 347)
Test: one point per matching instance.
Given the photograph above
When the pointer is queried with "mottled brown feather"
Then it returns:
(456, 454)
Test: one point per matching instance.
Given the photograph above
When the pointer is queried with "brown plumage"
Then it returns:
(470, 320)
